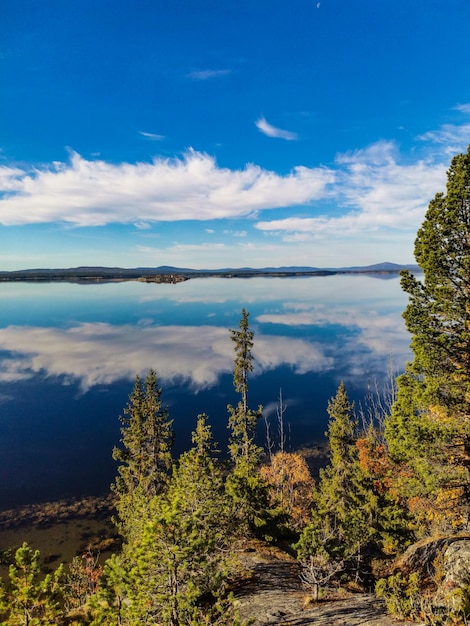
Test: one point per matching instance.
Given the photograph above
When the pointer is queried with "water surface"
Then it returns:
(69, 354)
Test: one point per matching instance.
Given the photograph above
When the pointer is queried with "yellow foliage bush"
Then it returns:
(291, 485)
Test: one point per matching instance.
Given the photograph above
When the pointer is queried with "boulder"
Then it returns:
(443, 563)
(452, 590)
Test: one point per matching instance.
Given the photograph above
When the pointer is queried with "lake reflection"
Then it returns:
(69, 354)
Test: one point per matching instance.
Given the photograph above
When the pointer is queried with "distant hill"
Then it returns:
(167, 273)
(381, 267)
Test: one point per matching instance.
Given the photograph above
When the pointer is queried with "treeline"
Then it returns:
(396, 476)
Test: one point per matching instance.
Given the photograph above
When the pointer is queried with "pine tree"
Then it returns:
(428, 432)
(145, 456)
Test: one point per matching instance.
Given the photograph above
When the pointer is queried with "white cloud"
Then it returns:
(453, 136)
(208, 74)
(377, 192)
(236, 233)
(271, 131)
(142, 225)
(9, 179)
(95, 193)
(152, 136)
(450, 138)
(463, 108)
(386, 192)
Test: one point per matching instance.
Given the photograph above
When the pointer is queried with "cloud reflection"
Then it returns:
(346, 325)
(101, 353)
(368, 341)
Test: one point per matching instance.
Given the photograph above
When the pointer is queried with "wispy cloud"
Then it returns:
(152, 136)
(207, 74)
(386, 189)
(142, 225)
(453, 137)
(9, 179)
(271, 131)
(463, 108)
(450, 135)
(376, 189)
(236, 233)
(372, 190)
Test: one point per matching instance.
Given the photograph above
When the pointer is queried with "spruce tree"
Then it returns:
(343, 508)
(145, 455)
(32, 599)
(180, 555)
(242, 419)
(428, 432)
(245, 486)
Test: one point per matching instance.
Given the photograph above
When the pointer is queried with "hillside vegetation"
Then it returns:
(387, 512)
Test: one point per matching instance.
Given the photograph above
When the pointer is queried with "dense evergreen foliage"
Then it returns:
(30, 598)
(145, 456)
(342, 523)
(428, 432)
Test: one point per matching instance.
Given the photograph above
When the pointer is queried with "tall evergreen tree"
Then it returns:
(145, 455)
(428, 431)
(344, 509)
(242, 419)
(245, 486)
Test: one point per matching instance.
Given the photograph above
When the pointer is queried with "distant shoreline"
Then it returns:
(170, 275)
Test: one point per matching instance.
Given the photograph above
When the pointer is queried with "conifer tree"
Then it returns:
(147, 437)
(428, 432)
(181, 553)
(242, 419)
(245, 486)
(107, 605)
(30, 598)
(145, 455)
(343, 514)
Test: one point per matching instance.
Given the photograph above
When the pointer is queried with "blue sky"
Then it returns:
(226, 133)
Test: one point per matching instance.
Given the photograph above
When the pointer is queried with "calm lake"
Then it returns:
(69, 354)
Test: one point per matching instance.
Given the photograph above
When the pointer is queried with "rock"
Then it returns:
(272, 593)
(456, 571)
(274, 617)
(444, 566)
